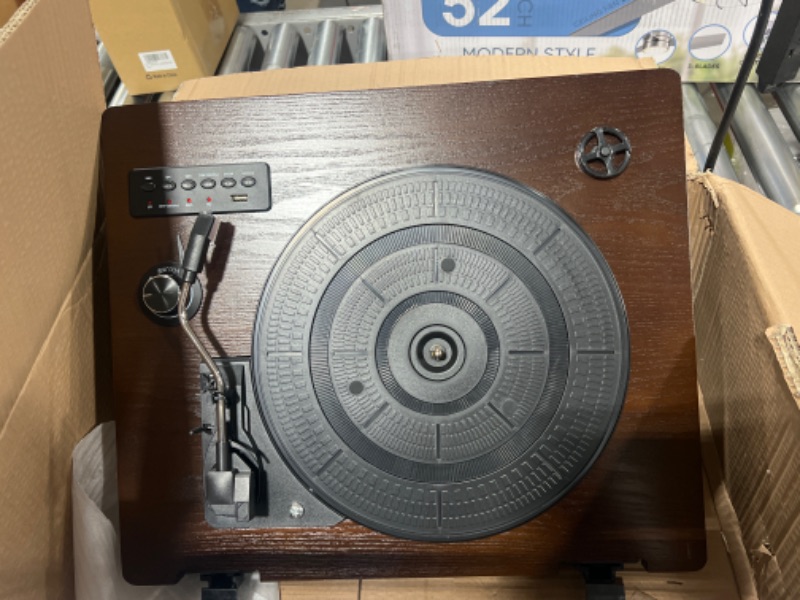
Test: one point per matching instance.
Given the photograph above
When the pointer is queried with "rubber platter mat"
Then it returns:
(441, 353)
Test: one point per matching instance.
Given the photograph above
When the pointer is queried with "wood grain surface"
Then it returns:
(715, 581)
(641, 501)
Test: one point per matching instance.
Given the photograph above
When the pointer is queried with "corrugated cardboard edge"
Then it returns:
(51, 102)
(7, 9)
(726, 514)
(49, 158)
(15, 19)
(787, 351)
(394, 74)
(55, 409)
(703, 196)
(746, 281)
(770, 234)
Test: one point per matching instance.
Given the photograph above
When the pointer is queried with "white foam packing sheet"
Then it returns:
(95, 517)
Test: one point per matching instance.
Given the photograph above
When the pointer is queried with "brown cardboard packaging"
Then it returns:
(426, 71)
(7, 8)
(52, 100)
(157, 44)
(747, 309)
(52, 391)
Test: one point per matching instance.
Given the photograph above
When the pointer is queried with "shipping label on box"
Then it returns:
(704, 40)
(157, 44)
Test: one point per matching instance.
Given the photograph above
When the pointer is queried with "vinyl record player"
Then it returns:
(440, 331)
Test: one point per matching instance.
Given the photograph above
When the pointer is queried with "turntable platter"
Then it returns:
(440, 354)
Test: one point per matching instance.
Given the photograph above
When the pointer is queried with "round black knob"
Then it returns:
(160, 294)
(604, 153)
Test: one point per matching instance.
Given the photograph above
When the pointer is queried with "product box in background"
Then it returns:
(156, 45)
(704, 40)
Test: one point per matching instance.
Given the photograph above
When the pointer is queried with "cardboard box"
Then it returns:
(157, 44)
(395, 74)
(704, 40)
(7, 8)
(54, 386)
(746, 286)
(52, 100)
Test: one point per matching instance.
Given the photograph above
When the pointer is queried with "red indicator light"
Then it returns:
(188, 201)
(169, 202)
(208, 199)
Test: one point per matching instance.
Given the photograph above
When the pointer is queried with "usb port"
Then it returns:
(239, 197)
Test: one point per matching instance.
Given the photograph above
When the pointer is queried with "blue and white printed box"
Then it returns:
(704, 40)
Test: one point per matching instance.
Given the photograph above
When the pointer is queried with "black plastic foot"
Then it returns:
(602, 582)
(220, 587)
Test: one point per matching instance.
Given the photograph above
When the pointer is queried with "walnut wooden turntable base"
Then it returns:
(642, 500)
(719, 578)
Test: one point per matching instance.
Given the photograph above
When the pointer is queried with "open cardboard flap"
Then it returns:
(746, 274)
(50, 107)
(7, 8)
(400, 73)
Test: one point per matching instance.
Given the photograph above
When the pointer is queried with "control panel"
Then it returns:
(170, 191)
